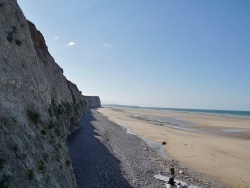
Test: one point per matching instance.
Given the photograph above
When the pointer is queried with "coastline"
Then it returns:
(103, 154)
(237, 113)
(220, 155)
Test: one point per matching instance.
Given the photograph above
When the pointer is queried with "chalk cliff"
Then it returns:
(39, 107)
(92, 101)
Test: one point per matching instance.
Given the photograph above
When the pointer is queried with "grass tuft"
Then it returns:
(15, 148)
(18, 42)
(43, 132)
(5, 183)
(2, 161)
(33, 116)
(30, 175)
(67, 163)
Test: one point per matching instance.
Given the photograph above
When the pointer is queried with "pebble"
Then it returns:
(181, 172)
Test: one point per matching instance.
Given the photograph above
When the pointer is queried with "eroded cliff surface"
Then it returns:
(92, 101)
(39, 107)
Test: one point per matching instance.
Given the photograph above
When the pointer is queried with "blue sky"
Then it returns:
(164, 53)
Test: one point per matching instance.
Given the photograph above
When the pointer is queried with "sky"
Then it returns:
(165, 53)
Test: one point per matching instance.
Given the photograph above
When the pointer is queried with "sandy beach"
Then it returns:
(104, 154)
(215, 145)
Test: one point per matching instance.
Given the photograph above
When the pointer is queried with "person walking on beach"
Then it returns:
(171, 182)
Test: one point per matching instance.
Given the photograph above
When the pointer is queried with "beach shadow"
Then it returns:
(93, 164)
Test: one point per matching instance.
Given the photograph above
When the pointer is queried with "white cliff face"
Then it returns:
(39, 107)
(92, 101)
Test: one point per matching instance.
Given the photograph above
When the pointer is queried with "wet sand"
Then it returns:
(217, 145)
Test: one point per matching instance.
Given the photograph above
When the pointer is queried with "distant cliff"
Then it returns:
(93, 101)
(39, 107)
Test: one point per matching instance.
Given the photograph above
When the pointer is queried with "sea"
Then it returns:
(204, 111)
(217, 112)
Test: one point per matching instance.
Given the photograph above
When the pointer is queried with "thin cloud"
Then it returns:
(56, 37)
(71, 44)
(107, 45)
